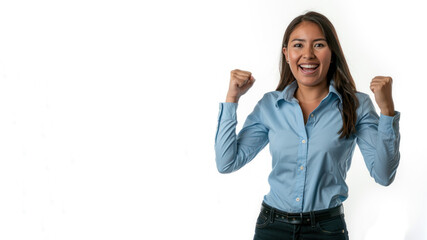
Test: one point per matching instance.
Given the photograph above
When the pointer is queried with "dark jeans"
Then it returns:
(274, 229)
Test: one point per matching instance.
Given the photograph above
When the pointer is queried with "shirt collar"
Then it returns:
(288, 93)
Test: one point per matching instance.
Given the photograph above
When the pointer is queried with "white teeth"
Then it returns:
(309, 66)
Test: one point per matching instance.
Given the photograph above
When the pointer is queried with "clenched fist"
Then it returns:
(240, 82)
(381, 87)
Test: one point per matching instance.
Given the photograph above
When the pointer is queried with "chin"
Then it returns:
(310, 82)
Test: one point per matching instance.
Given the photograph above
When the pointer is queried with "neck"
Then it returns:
(307, 94)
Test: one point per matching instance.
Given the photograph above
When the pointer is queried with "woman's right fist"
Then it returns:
(240, 82)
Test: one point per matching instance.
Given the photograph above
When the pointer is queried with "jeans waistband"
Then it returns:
(301, 218)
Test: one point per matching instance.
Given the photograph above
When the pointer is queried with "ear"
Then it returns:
(285, 52)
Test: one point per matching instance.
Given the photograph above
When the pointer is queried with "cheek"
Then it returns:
(327, 62)
(293, 62)
(293, 56)
(294, 59)
(326, 58)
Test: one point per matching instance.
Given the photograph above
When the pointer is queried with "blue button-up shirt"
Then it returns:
(309, 161)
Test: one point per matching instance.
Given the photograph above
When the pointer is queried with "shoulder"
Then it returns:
(366, 105)
(267, 103)
(270, 99)
(364, 100)
(362, 97)
(271, 96)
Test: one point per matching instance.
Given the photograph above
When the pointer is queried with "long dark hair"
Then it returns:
(338, 70)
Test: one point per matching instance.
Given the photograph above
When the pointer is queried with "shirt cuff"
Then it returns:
(388, 124)
(227, 111)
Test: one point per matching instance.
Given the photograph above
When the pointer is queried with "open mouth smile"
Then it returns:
(308, 68)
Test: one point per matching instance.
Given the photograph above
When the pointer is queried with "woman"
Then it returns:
(312, 121)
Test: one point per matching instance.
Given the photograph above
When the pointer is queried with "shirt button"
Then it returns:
(312, 115)
(302, 167)
(298, 199)
(303, 141)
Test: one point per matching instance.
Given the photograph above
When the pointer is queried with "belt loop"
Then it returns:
(312, 219)
(271, 215)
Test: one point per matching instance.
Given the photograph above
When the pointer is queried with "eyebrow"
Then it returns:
(303, 40)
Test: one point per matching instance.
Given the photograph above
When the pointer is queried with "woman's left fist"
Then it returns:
(381, 87)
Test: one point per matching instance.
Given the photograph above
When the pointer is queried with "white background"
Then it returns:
(108, 112)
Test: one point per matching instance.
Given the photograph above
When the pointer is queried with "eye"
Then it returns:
(297, 45)
(319, 45)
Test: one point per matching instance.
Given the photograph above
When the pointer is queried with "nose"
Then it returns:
(308, 53)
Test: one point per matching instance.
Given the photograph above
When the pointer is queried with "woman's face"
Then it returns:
(308, 54)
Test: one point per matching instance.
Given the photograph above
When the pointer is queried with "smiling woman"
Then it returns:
(324, 48)
(308, 55)
(312, 122)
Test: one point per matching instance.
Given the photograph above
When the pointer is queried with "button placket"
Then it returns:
(301, 161)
